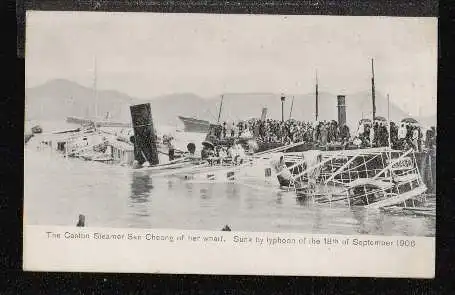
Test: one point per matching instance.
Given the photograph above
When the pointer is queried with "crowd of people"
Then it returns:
(290, 131)
(233, 140)
(404, 135)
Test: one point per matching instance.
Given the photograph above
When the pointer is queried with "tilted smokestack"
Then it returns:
(264, 114)
(145, 141)
(341, 110)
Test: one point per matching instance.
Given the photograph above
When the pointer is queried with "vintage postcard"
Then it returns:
(230, 144)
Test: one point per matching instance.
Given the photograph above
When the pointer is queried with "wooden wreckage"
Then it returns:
(379, 178)
(373, 178)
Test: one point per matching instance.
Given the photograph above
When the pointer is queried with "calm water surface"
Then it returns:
(57, 190)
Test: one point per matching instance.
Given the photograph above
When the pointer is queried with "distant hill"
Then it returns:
(60, 98)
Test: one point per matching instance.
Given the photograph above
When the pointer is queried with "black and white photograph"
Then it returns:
(241, 123)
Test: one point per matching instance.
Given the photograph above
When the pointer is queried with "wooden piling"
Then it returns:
(427, 166)
(145, 146)
(81, 221)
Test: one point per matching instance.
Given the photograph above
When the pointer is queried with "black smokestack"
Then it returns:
(264, 114)
(144, 134)
(341, 110)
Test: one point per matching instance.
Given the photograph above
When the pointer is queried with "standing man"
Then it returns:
(171, 148)
(224, 129)
(402, 131)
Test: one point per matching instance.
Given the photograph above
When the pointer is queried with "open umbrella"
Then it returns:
(208, 144)
(409, 120)
(246, 134)
(380, 118)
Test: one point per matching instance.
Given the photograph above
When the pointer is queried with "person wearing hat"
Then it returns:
(207, 151)
(224, 130)
(393, 135)
(415, 138)
(222, 154)
(344, 134)
(171, 148)
(429, 138)
(324, 134)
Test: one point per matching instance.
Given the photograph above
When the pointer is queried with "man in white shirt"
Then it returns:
(415, 138)
(240, 153)
(283, 174)
(402, 131)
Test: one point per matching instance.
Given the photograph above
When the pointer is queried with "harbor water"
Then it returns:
(57, 190)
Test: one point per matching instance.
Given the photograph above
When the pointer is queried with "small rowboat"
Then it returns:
(37, 129)
(422, 211)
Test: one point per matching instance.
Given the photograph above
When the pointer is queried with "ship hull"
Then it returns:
(195, 125)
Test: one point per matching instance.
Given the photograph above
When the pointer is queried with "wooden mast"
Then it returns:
(373, 94)
(388, 119)
(95, 88)
(317, 98)
(292, 105)
(219, 112)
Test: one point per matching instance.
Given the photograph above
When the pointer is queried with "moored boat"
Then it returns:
(195, 125)
(37, 129)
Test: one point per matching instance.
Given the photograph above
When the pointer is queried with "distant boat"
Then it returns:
(198, 125)
(195, 125)
(37, 129)
(77, 120)
(83, 121)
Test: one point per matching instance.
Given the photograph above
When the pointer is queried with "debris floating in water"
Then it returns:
(81, 221)
(226, 228)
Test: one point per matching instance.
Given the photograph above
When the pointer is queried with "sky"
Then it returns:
(152, 54)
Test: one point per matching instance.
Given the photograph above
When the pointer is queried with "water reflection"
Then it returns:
(303, 201)
(205, 193)
(170, 184)
(360, 216)
(279, 199)
(379, 223)
(189, 188)
(232, 191)
(318, 218)
(134, 199)
(139, 205)
(141, 186)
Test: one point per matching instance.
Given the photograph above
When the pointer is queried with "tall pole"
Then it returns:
(219, 112)
(388, 118)
(95, 88)
(389, 129)
(282, 107)
(317, 98)
(292, 105)
(373, 94)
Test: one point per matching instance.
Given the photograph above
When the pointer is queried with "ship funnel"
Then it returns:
(145, 140)
(264, 114)
(341, 110)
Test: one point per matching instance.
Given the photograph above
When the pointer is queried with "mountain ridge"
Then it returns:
(59, 98)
